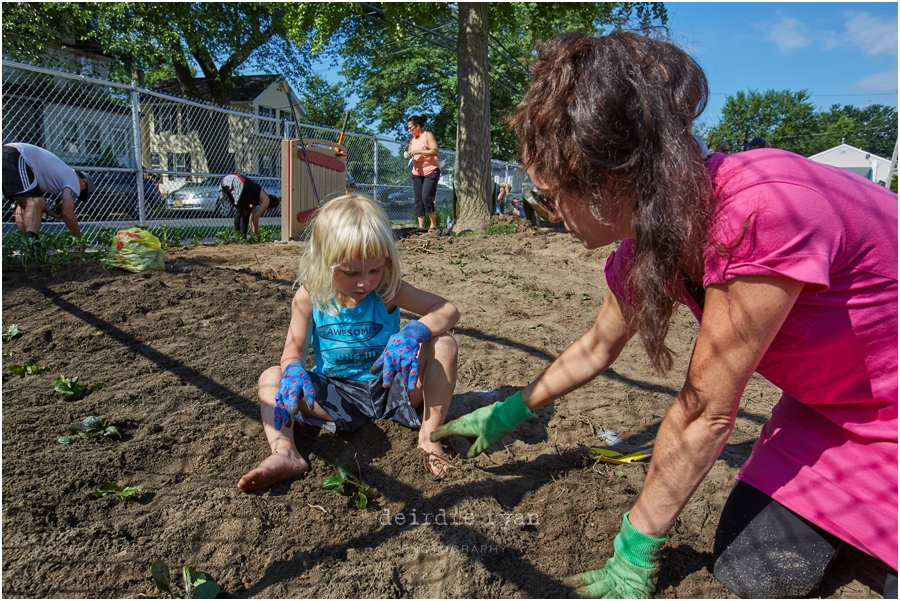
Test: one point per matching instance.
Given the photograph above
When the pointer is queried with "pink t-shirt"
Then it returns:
(423, 164)
(829, 451)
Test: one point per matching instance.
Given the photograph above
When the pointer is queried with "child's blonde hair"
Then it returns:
(351, 227)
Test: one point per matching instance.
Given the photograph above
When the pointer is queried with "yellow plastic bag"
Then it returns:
(135, 250)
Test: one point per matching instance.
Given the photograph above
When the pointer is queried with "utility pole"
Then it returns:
(890, 177)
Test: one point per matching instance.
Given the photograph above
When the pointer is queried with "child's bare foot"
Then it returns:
(275, 468)
(435, 459)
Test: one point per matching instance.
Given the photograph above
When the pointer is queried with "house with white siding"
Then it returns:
(856, 160)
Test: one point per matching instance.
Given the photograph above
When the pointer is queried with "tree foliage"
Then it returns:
(783, 118)
(788, 120)
(401, 58)
(162, 38)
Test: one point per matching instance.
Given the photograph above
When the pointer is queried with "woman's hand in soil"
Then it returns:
(294, 381)
(401, 355)
(488, 424)
(629, 574)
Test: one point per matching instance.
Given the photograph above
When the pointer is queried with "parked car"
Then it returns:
(204, 199)
(116, 195)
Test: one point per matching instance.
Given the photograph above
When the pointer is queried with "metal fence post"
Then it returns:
(375, 178)
(138, 158)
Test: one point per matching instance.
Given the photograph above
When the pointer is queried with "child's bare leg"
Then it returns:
(285, 461)
(437, 381)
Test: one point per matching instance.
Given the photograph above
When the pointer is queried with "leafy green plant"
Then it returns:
(71, 389)
(27, 369)
(89, 427)
(12, 332)
(197, 585)
(344, 483)
(120, 490)
(501, 228)
(223, 235)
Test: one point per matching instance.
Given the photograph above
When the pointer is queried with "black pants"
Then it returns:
(242, 219)
(764, 550)
(424, 189)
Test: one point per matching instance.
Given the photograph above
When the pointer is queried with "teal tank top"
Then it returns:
(347, 344)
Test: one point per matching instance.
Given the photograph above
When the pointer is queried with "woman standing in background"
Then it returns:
(426, 170)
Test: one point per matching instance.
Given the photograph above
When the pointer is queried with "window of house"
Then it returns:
(91, 134)
(179, 161)
(188, 121)
(267, 128)
(268, 164)
(290, 128)
(155, 160)
(86, 66)
(70, 136)
(165, 120)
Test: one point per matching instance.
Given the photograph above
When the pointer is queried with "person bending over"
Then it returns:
(792, 266)
(29, 174)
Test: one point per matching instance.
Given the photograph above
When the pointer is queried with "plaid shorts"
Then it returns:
(353, 403)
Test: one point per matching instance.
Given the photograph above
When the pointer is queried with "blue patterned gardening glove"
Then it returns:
(400, 354)
(294, 381)
(629, 574)
(488, 424)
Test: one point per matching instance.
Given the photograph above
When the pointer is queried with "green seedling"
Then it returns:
(123, 492)
(346, 484)
(89, 427)
(197, 585)
(585, 297)
(27, 369)
(71, 389)
(12, 332)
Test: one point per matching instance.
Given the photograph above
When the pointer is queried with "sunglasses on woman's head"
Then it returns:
(544, 201)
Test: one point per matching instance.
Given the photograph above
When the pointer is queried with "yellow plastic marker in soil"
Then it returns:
(610, 456)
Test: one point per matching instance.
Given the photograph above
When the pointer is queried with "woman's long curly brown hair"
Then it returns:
(615, 113)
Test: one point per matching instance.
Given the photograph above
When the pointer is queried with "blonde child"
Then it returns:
(366, 367)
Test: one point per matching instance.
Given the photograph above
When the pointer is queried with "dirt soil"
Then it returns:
(179, 353)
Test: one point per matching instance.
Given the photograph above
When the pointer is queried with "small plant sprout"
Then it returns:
(197, 585)
(89, 427)
(12, 332)
(70, 389)
(27, 369)
(120, 490)
(346, 484)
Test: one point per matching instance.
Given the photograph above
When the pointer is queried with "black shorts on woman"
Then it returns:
(424, 190)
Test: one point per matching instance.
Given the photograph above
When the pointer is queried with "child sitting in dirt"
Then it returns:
(366, 367)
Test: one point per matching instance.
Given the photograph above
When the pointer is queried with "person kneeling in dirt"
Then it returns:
(366, 367)
(792, 266)
(29, 173)
(250, 201)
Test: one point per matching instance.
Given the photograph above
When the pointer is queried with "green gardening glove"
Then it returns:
(488, 424)
(629, 574)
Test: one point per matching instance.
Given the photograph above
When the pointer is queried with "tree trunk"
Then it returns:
(473, 134)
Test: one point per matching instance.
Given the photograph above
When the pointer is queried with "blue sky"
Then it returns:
(841, 53)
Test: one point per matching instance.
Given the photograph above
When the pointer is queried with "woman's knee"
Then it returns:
(764, 550)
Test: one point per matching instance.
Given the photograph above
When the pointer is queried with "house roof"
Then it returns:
(246, 87)
(868, 155)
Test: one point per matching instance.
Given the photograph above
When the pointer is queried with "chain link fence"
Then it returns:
(157, 158)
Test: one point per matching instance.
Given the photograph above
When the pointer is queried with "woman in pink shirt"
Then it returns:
(426, 170)
(791, 267)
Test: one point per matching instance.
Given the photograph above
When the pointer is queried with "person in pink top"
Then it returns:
(791, 268)
(426, 170)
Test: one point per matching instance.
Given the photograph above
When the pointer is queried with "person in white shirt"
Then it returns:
(30, 173)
